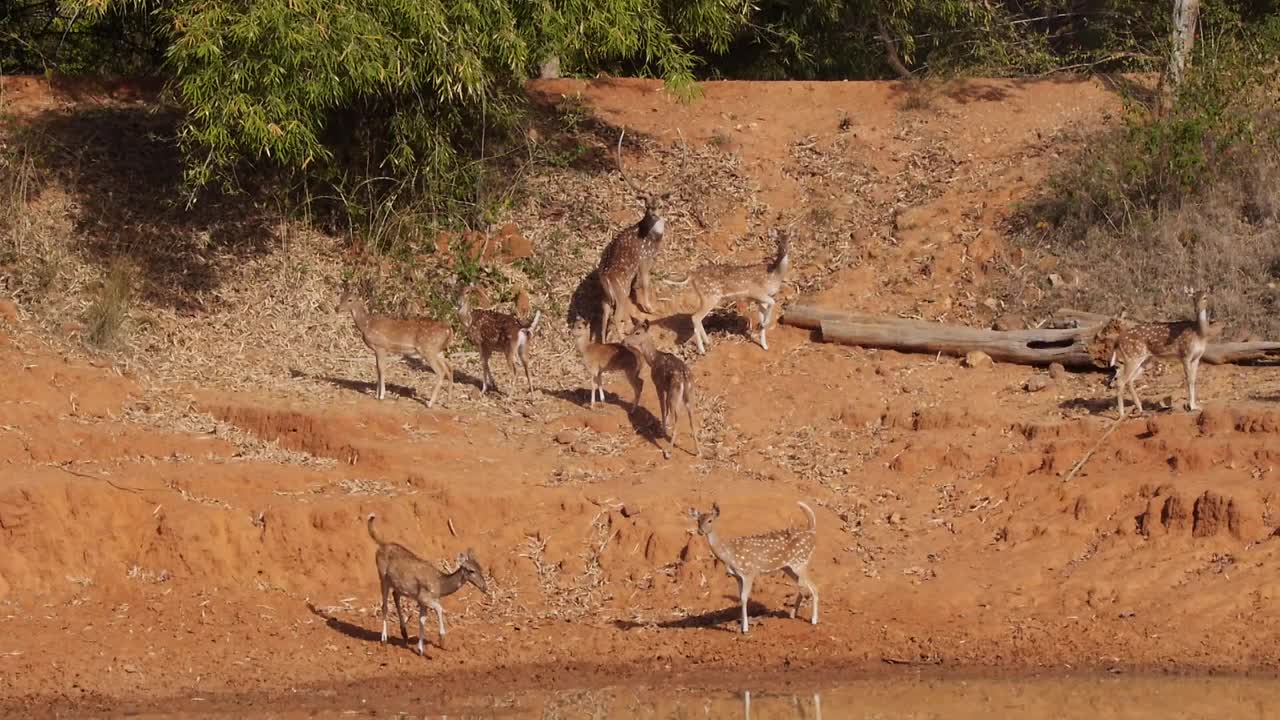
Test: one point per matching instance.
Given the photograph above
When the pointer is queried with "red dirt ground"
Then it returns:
(140, 564)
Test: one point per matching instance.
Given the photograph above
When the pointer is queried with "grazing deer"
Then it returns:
(419, 338)
(601, 358)
(714, 283)
(629, 258)
(491, 330)
(749, 557)
(401, 572)
(1127, 346)
(672, 381)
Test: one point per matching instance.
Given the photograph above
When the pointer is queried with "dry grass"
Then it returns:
(1224, 240)
(108, 312)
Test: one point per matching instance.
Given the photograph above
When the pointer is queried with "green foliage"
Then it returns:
(390, 97)
(1223, 114)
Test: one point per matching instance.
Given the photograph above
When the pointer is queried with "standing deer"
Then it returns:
(602, 358)
(672, 381)
(629, 258)
(421, 338)
(747, 558)
(1128, 346)
(491, 330)
(716, 282)
(401, 572)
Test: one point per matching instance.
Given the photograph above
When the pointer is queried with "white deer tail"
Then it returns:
(813, 519)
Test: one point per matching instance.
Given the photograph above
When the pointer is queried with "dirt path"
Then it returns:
(151, 553)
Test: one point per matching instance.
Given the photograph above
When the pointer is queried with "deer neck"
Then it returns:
(360, 314)
(719, 549)
(451, 583)
(651, 227)
(1202, 320)
(647, 352)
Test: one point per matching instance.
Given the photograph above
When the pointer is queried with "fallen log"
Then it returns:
(1028, 347)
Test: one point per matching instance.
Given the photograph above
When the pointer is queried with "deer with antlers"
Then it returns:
(629, 258)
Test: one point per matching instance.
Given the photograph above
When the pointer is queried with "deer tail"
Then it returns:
(813, 519)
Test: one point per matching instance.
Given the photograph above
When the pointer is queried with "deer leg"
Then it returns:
(606, 311)
(386, 592)
(435, 605)
(744, 593)
(1118, 382)
(1192, 367)
(524, 361)
(806, 588)
(485, 374)
(644, 294)
(687, 394)
(382, 389)
(766, 312)
(404, 631)
(441, 369)
(422, 628)
(699, 332)
(1132, 383)
(637, 384)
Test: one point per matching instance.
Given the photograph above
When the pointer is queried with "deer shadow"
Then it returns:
(370, 387)
(364, 634)
(122, 168)
(1092, 405)
(726, 620)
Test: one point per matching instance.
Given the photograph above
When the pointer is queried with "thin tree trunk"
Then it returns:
(1186, 15)
(891, 50)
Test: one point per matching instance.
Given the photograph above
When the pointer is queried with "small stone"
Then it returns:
(895, 519)
(566, 436)
(1036, 383)
(130, 668)
(1057, 371)
(1055, 280)
(976, 359)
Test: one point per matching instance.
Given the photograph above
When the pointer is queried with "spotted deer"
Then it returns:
(402, 573)
(760, 282)
(747, 558)
(421, 338)
(603, 358)
(1128, 345)
(672, 381)
(490, 330)
(630, 256)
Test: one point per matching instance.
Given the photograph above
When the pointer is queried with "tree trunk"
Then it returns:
(1186, 15)
(1027, 347)
(891, 50)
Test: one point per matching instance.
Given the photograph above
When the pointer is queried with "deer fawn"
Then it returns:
(629, 258)
(400, 572)
(749, 557)
(491, 330)
(714, 283)
(1128, 346)
(672, 381)
(420, 338)
(601, 358)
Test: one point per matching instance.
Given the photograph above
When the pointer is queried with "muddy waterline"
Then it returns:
(1054, 698)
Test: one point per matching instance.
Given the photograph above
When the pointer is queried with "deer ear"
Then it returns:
(693, 513)
(715, 509)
